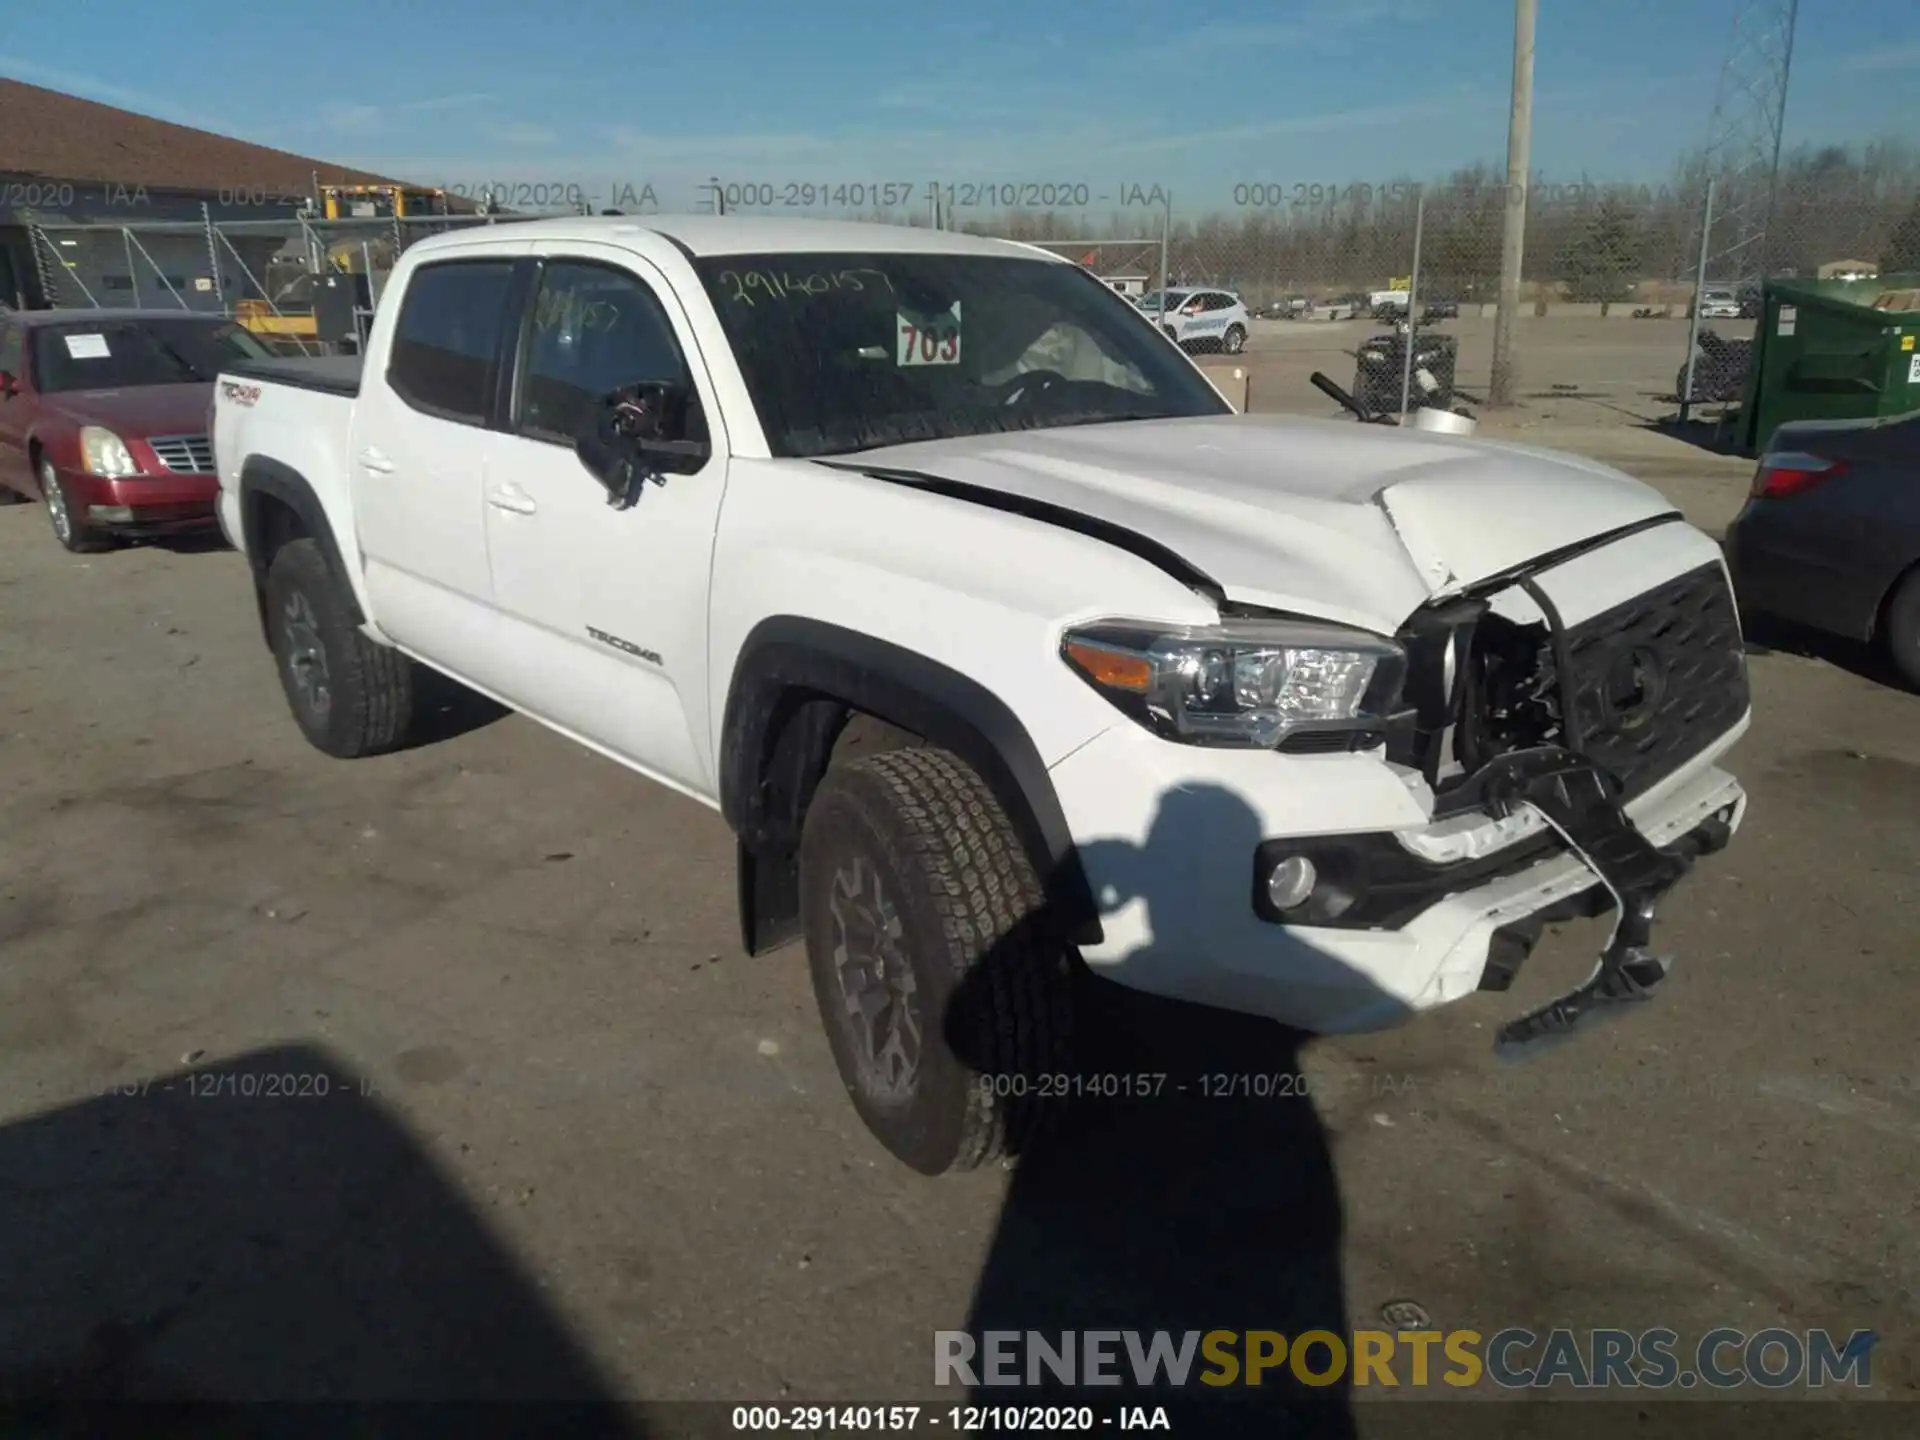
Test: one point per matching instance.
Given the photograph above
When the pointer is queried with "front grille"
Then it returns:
(184, 454)
(1659, 678)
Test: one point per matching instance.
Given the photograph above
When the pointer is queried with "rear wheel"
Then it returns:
(351, 696)
(69, 528)
(1902, 634)
(944, 1000)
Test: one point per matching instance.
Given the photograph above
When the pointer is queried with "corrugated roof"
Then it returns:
(63, 137)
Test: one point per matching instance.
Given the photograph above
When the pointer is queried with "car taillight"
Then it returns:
(1791, 472)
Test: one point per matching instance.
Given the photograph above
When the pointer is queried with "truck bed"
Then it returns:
(333, 374)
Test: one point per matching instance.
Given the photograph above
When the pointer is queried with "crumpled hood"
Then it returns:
(1343, 521)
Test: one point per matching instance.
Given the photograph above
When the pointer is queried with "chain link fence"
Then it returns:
(1287, 279)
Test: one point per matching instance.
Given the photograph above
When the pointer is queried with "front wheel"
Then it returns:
(1236, 340)
(71, 530)
(351, 696)
(947, 1005)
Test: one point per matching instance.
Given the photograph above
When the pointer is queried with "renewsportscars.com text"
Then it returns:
(1513, 1358)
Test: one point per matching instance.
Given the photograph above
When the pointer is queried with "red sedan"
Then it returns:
(103, 415)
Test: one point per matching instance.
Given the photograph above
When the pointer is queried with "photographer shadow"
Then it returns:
(1204, 1201)
(189, 1254)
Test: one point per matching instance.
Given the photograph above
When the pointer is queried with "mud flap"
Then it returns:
(1582, 803)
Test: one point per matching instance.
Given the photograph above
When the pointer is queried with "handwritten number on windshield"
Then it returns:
(743, 286)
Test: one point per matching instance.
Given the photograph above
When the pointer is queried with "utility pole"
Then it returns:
(1513, 237)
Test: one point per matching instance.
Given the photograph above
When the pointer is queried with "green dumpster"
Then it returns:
(1832, 350)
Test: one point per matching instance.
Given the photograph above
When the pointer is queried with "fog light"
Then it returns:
(1291, 882)
(111, 514)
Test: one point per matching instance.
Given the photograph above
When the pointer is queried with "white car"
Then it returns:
(1200, 319)
(1015, 660)
(1719, 305)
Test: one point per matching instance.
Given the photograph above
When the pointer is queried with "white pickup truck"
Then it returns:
(1009, 652)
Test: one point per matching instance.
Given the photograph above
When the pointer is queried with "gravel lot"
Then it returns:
(574, 1143)
(1570, 370)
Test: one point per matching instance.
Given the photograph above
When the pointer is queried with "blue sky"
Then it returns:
(1193, 98)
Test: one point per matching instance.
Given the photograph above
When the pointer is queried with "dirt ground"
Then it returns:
(572, 1143)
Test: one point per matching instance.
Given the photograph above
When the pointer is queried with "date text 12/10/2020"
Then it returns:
(237, 1085)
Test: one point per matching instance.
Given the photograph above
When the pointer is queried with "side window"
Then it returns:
(447, 338)
(592, 329)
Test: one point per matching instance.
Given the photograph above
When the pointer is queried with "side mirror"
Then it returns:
(9, 387)
(638, 434)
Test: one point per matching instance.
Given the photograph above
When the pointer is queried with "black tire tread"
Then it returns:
(975, 871)
(374, 682)
(1902, 632)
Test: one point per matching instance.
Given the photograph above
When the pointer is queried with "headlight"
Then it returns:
(1242, 683)
(1374, 355)
(105, 453)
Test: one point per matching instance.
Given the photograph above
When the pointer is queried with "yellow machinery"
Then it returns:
(258, 317)
(344, 254)
(353, 202)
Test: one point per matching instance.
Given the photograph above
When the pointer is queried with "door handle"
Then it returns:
(511, 498)
(376, 461)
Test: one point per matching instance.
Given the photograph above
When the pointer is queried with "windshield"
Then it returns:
(845, 352)
(127, 354)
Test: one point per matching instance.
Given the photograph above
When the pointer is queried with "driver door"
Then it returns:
(608, 606)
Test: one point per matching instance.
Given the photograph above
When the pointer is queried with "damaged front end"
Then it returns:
(1509, 709)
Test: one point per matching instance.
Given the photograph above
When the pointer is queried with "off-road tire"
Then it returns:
(1234, 341)
(995, 992)
(370, 687)
(1901, 634)
(78, 537)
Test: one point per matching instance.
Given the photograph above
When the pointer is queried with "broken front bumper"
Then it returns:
(1166, 834)
(1581, 804)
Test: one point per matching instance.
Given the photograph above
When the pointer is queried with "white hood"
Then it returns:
(1348, 522)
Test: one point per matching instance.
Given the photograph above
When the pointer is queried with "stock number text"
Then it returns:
(858, 195)
(1276, 195)
(808, 1419)
(1069, 1085)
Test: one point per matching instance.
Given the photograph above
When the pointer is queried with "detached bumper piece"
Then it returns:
(1582, 803)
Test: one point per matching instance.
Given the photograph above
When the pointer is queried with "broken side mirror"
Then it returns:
(640, 434)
